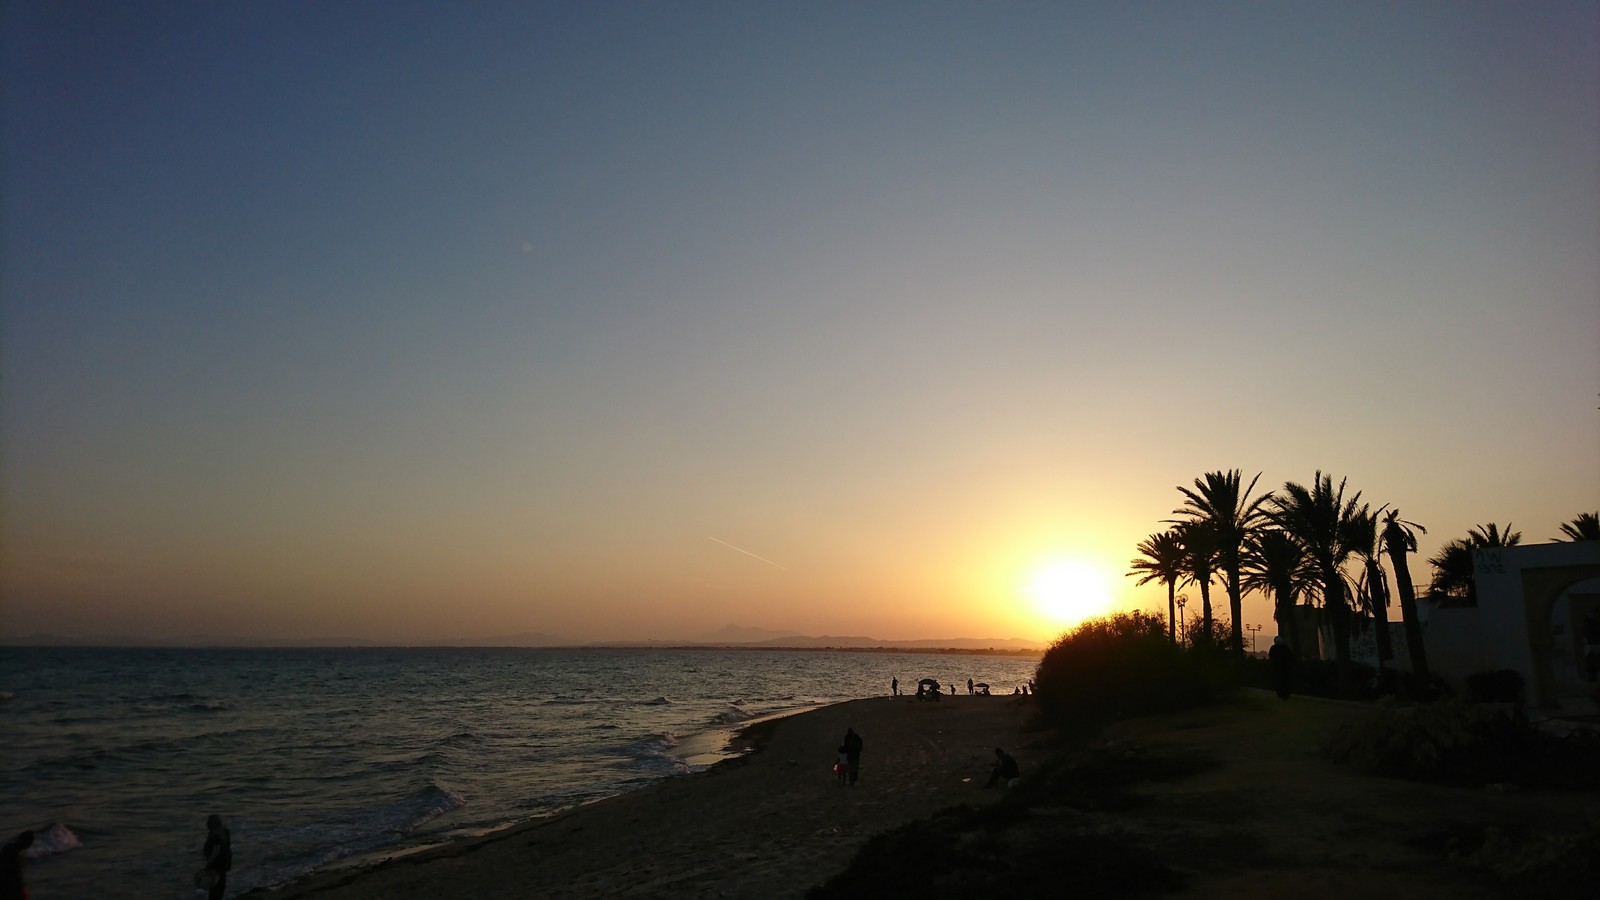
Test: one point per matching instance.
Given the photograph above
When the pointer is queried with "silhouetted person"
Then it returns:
(1282, 660)
(852, 753)
(219, 854)
(969, 685)
(11, 882)
(1005, 771)
(894, 686)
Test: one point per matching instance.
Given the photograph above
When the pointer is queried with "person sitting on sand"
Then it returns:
(1005, 770)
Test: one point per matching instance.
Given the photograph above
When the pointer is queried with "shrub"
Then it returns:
(1455, 742)
(1495, 686)
(1125, 666)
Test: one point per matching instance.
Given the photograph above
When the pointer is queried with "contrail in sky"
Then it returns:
(748, 553)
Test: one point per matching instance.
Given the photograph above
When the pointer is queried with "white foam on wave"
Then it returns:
(51, 840)
(733, 715)
(656, 752)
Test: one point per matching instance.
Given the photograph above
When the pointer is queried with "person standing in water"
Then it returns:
(11, 881)
(219, 854)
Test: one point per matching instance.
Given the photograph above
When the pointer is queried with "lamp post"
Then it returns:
(1253, 630)
(1183, 624)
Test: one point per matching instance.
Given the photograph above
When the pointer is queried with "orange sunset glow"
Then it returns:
(874, 322)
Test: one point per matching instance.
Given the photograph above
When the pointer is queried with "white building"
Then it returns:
(1538, 613)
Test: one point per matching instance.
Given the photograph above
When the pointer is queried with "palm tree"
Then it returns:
(1399, 538)
(1491, 536)
(1586, 527)
(1163, 559)
(1372, 593)
(1199, 540)
(1452, 572)
(1318, 519)
(1453, 566)
(1217, 498)
(1274, 564)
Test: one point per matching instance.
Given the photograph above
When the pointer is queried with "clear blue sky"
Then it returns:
(428, 320)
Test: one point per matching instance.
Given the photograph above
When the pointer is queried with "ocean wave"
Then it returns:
(652, 745)
(654, 754)
(462, 739)
(659, 701)
(430, 803)
(51, 840)
(732, 715)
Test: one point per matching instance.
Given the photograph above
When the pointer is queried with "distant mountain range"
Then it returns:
(731, 636)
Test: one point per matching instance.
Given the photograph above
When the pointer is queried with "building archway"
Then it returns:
(1541, 588)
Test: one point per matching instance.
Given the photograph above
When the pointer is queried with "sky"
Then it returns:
(623, 321)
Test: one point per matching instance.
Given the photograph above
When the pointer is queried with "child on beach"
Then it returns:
(841, 768)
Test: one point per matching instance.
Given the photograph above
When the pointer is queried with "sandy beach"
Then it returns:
(770, 824)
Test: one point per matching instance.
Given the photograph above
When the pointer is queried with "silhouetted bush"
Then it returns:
(1456, 742)
(1124, 666)
(1495, 686)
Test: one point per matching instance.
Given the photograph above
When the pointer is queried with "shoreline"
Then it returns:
(768, 820)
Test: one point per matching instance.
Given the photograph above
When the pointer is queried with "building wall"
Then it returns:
(1508, 629)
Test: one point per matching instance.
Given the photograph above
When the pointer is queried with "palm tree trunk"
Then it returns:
(1339, 616)
(1378, 589)
(1236, 608)
(1408, 614)
(1172, 612)
(1205, 609)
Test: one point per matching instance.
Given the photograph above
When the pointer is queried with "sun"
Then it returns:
(1068, 591)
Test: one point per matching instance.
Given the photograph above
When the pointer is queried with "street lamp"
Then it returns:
(1253, 629)
(1183, 624)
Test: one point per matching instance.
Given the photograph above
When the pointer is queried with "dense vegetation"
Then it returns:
(1125, 665)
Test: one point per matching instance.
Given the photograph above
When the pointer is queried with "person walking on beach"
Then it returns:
(1005, 770)
(969, 685)
(852, 752)
(219, 854)
(11, 882)
(894, 686)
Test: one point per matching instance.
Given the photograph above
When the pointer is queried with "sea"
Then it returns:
(318, 758)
